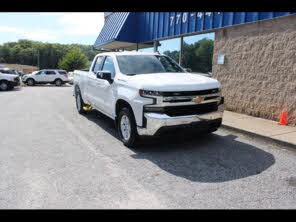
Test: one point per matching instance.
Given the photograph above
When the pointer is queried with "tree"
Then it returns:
(74, 59)
(28, 52)
(198, 56)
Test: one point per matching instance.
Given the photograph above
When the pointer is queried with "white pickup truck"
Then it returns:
(146, 93)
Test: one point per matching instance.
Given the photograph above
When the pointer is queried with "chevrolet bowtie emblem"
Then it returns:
(198, 99)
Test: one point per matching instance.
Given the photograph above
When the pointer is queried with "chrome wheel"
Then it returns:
(3, 86)
(125, 127)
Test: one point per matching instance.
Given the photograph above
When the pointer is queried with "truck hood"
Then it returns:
(173, 82)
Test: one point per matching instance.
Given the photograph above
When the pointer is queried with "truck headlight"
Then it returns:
(149, 93)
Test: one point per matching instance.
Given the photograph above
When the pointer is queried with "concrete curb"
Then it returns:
(279, 142)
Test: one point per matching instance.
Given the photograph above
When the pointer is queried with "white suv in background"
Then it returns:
(52, 76)
(8, 79)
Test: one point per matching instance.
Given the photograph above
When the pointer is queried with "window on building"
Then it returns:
(197, 52)
(151, 49)
(171, 48)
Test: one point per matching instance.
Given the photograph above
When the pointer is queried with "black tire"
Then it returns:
(58, 82)
(30, 82)
(132, 140)
(215, 126)
(4, 86)
(211, 130)
(79, 102)
(10, 87)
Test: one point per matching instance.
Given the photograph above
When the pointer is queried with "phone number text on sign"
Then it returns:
(177, 19)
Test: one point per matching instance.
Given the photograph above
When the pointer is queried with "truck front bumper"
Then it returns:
(157, 121)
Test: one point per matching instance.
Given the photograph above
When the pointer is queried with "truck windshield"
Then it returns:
(146, 64)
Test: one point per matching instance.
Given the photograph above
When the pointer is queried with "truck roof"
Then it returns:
(129, 53)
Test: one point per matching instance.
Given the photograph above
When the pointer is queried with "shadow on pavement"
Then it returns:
(209, 158)
(16, 89)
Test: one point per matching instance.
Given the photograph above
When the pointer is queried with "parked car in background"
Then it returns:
(45, 76)
(146, 93)
(8, 79)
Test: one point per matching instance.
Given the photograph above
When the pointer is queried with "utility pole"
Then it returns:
(38, 59)
(181, 50)
(155, 45)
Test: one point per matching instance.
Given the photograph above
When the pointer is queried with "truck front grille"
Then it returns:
(185, 110)
(191, 93)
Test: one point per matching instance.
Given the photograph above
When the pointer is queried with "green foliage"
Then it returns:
(74, 59)
(197, 56)
(48, 55)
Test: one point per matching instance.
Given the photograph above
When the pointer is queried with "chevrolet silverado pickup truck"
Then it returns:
(146, 93)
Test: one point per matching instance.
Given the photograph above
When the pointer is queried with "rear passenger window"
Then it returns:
(98, 64)
(62, 72)
(50, 73)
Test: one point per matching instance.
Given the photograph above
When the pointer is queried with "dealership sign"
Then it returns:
(158, 25)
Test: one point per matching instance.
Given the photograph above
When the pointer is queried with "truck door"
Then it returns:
(105, 89)
(92, 83)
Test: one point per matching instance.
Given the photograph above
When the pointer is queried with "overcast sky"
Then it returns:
(65, 28)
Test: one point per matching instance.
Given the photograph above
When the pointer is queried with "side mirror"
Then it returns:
(188, 70)
(106, 75)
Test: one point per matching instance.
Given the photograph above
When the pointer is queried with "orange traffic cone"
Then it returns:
(283, 119)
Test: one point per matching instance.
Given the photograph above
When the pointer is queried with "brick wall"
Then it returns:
(259, 73)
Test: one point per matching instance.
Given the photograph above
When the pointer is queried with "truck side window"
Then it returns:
(109, 66)
(98, 64)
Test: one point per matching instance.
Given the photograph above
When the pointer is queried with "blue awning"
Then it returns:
(116, 32)
(127, 29)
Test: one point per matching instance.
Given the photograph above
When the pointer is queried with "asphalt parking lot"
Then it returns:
(52, 157)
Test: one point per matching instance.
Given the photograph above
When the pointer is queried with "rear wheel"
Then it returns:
(4, 85)
(127, 129)
(79, 102)
(58, 82)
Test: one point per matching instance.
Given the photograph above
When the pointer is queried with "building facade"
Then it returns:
(254, 52)
(259, 72)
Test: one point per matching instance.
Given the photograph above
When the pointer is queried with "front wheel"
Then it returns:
(30, 82)
(127, 129)
(79, 102)
(4, 86)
